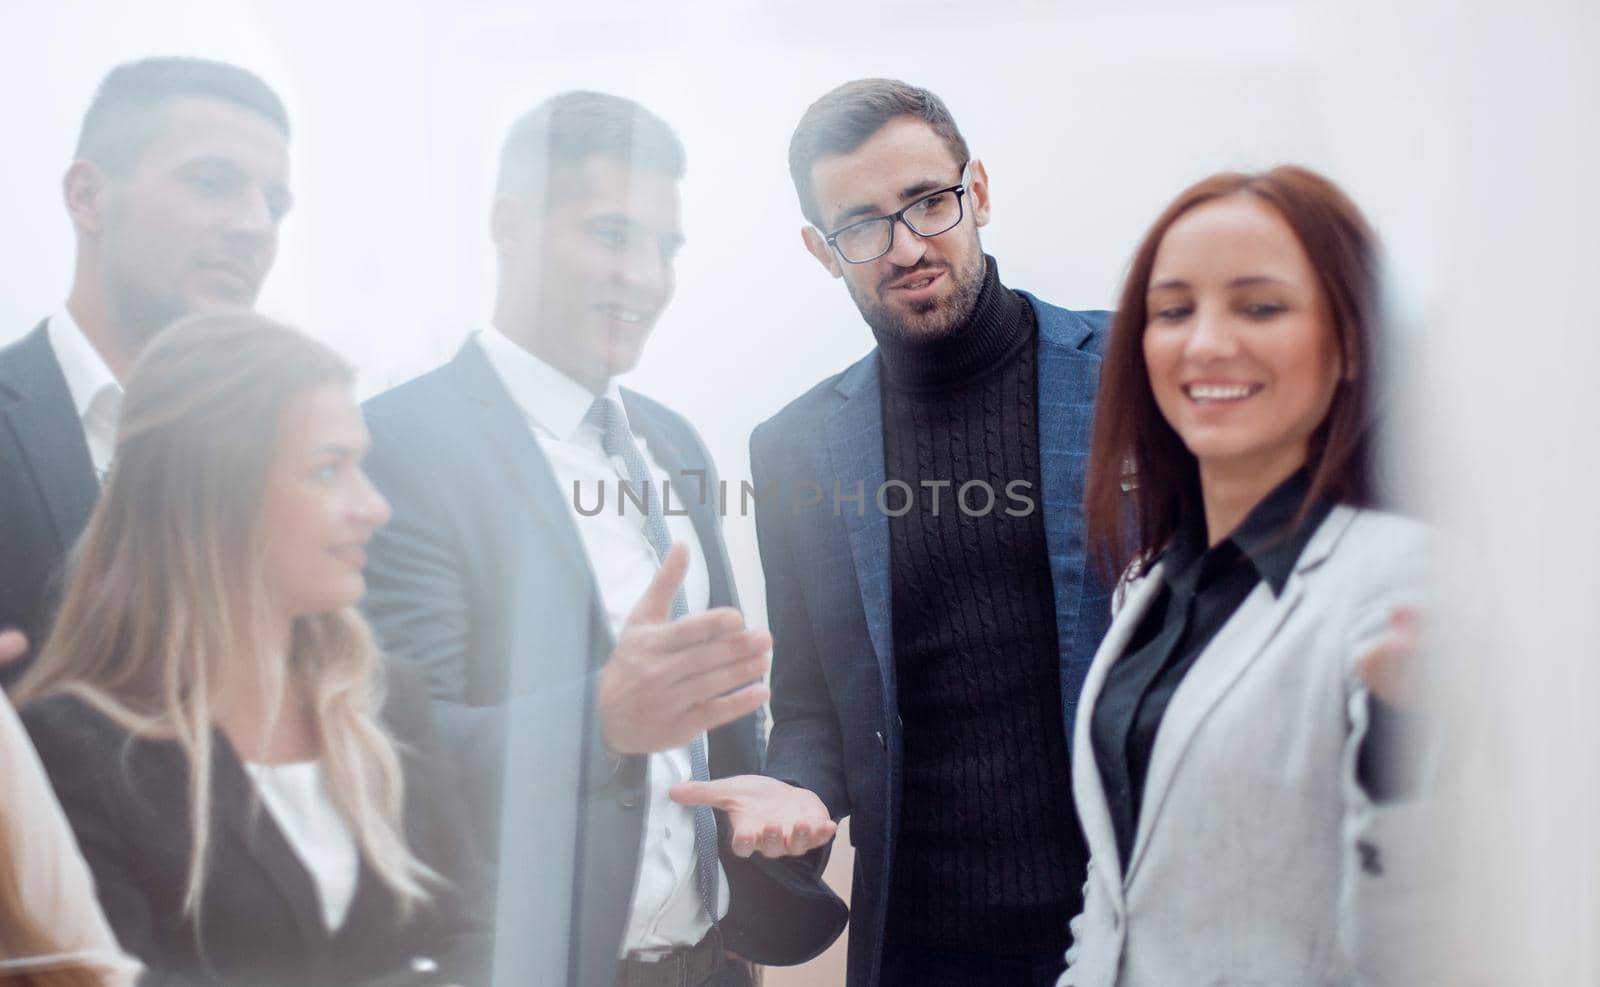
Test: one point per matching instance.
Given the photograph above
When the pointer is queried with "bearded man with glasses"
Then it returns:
(933, 615)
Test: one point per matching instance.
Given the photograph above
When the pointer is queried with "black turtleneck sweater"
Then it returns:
(989, 857)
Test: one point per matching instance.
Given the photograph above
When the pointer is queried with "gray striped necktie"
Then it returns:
(617, 440)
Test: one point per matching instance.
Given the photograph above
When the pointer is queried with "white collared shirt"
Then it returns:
(96, 395)
(666, 908)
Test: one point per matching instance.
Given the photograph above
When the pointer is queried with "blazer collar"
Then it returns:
(551, 398)
(1059, 326)
(506, 425)
(687, 491)
(503, 422)
(36, 406)
(81, 364)
(855, 463)
(1242, 639)
(246, 818)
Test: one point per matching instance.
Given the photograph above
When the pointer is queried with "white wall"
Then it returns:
(1089, 117)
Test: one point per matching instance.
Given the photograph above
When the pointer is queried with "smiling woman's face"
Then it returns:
(319, 509)
(1240, 344)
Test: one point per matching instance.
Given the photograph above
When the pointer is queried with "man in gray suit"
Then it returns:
(571, 707)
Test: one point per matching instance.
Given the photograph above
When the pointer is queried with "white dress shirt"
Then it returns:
(96, 395)
(666, 904)
(296, 796)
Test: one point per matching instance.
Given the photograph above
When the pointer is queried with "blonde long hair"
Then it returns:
(161, 617)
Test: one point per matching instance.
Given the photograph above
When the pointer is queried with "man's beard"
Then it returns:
(927, 320)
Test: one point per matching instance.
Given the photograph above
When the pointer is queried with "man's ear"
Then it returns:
(83, 189)
(820, 250)
(978, 192)
(505, 224)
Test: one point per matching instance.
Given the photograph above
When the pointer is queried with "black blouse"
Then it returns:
(1201, 589)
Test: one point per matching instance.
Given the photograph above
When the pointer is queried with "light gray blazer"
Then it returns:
(1258, 859)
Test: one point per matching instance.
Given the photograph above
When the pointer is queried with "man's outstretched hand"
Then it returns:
(768, 816)
(668, 681)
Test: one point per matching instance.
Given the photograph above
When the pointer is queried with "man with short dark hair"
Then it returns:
(932, 611)
(573, 709)
(179, 182)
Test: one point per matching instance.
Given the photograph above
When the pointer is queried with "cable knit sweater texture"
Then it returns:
(989, 857)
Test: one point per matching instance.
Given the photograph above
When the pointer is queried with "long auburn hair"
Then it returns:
(161, 619)
(1136, 456)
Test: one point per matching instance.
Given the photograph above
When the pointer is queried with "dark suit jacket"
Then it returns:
(47, 486)
(836, 726)
(260, 921)
(481, 579)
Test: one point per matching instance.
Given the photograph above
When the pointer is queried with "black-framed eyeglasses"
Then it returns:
(868, 239)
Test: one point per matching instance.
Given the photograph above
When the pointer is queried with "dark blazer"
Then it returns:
(482, 580)
(836, 727)
(47, 486)
(260, 918)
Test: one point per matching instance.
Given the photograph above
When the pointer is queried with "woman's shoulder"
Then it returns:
(81, 748)
(1390, 527)
(69, 720)
(1369, 544)
(74, 734)
(1383, 560)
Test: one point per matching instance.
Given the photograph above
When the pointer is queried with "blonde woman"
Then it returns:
(256, 796)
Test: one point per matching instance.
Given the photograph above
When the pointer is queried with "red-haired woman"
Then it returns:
(1240, 829)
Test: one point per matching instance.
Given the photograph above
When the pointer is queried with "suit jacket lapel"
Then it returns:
(738, 747)
(855, 452)
(1092, 808)
(1242, 639)
(506, 428)
(373, 914)
(1067, 381)
(44, 423)
(685, 494)
(246, 819)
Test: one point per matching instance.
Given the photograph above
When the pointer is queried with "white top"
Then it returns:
(666, 908)
(297, 798)
(96, 395)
